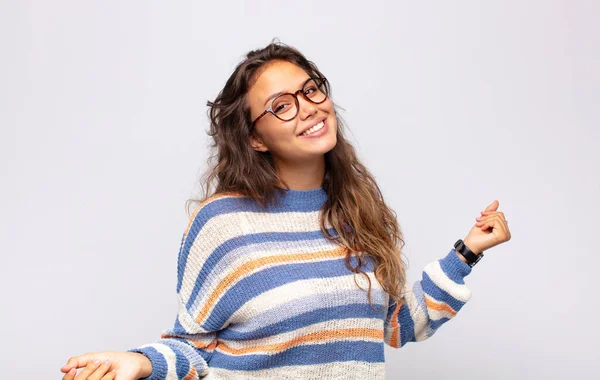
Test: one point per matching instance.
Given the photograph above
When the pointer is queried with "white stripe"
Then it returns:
(459, 291)
(337, 370)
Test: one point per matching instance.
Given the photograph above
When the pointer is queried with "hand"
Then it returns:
(108, 366)
(490, 230)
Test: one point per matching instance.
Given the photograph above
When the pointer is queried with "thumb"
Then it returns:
(77, 362)
(493, 206)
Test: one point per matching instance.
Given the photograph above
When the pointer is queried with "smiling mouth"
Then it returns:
(317, 127)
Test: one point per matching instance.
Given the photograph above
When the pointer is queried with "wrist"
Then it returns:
(461, 257)
(465, 253)
(145, 366)
(471, 246)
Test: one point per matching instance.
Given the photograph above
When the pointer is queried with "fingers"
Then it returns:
(491, 213)
(70, 375)
(485, 225)
(493, 206)
(498, 223)
(488, 219)
(88, 370)
(94, 370)
(493, 221)
(109, 376)
(100, 371)
(77, 362)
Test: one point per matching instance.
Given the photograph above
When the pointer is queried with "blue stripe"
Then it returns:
(182, 365)
(436, 324)
(454, 267)
(290, 201)
(267, 279)
(360, 351)
(177, 327)
(305, 319)
(439, 294)
(407, 325)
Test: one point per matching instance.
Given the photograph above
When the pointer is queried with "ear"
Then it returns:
(257, 143)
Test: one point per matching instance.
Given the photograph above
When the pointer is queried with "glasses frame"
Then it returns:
(295, 95)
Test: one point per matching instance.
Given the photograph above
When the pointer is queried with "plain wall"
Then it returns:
(450, 105)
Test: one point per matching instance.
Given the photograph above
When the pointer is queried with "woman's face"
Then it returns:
(283, 138)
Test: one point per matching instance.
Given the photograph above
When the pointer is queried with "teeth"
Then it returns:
(313, 129)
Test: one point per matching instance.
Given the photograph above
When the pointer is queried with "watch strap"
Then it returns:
(471, 257)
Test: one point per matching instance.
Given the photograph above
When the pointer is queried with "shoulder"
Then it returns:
(211, 225)
(216, 216)
(214, 211)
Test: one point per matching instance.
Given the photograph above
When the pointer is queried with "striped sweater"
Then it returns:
(264, 295)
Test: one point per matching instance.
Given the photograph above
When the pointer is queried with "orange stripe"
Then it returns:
(439, 306)
(210, 199)
(191, 375)
(312, 337)
(395, 326)
(255, 264)
(208, 347)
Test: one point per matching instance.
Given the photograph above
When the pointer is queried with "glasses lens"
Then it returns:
(315, 90)
(284, 107)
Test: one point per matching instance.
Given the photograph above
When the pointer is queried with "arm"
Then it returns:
(433, 301)
(184, 351)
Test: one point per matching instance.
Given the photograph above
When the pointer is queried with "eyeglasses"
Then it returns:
(285, 107)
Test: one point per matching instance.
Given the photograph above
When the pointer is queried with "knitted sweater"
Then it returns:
(264, 295)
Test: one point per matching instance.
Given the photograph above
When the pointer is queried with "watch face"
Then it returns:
(459, 245)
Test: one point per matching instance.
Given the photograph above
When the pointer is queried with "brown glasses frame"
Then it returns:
(295, 95)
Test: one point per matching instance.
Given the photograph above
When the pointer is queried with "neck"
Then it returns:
(302, 176)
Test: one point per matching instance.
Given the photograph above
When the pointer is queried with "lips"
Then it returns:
(312, 125)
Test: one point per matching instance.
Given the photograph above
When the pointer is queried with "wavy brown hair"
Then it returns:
(355, 208)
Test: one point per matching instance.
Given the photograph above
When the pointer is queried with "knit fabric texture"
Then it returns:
(263, 294)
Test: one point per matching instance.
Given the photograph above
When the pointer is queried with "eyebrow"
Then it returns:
(283, 92)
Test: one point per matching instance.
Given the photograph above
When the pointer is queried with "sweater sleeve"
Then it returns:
(184, 351)
(433, 301)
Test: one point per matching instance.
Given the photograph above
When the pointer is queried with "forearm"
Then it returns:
(145, 365)
(434, 300)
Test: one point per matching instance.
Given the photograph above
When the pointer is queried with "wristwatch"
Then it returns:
(471, 257)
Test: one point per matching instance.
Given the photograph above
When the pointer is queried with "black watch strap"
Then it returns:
(471, 257)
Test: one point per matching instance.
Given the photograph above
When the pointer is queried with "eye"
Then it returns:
(281, 107)
(309, 90)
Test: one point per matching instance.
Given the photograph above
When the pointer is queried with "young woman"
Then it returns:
(291, 265)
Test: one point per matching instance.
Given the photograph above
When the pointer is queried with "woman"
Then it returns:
(291, 267)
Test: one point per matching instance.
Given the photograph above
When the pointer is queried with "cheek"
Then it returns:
(327, 106)
(275, 135)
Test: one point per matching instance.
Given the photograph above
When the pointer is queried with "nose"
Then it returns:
(306, 108)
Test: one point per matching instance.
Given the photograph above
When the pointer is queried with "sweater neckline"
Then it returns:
(311, 199)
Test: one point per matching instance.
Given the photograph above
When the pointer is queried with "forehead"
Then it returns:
(275, 77)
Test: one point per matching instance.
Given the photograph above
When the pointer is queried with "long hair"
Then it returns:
(355, 208)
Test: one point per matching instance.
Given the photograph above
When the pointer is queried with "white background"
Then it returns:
(450, 104)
